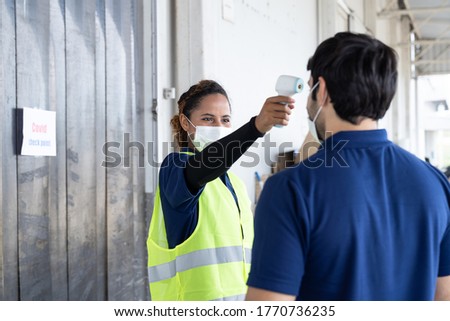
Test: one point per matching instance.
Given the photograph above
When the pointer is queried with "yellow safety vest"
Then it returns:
(214, 262)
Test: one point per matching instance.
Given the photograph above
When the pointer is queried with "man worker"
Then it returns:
(361, 219)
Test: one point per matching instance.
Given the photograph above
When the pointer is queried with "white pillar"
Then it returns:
(195, 43)
(327, 14)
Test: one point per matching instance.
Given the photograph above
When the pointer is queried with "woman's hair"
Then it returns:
(360, 72)
(190, 101)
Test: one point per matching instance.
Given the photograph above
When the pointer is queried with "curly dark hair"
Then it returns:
(360, 72)
(188, 102)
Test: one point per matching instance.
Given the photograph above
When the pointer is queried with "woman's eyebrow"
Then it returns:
(211, 115)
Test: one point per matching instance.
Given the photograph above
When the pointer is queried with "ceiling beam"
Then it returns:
(386, 14)
(390, 4)
(437, 21)
(424, 42)
(428, 48)
(431, 62)
(420, 72)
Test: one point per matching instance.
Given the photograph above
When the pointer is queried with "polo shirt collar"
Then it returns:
(358, 137)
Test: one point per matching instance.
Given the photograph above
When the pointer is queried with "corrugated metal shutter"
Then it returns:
(70, 228)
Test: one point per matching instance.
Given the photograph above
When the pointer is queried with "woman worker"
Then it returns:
(201, 231)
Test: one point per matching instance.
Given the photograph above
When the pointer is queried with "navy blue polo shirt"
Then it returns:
(362, 219)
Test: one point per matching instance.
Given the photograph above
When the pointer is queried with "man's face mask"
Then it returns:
(312, 122)
(205, 135)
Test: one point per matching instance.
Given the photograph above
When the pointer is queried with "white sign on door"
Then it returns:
(39, 132)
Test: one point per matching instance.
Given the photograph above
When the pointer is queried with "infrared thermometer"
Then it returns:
(288, 86)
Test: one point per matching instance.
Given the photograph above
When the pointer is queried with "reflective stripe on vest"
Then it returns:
(232, 298)
(196, 259)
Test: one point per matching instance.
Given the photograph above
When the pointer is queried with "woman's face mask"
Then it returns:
(205, 135)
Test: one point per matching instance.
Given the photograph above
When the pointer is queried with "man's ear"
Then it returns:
(322, 93)
(184, 122)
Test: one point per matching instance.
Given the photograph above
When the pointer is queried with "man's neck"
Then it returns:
(339, 125)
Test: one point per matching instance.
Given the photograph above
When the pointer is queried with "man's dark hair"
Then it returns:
(360, 73)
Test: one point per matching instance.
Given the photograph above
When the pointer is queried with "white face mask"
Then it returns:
(205, 135)
(312, 123)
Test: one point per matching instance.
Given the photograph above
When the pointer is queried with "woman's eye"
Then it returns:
(226, 120)
(207, 119)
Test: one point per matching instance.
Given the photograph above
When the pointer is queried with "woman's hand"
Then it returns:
(275, 111)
